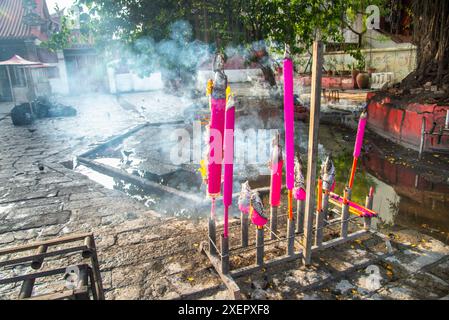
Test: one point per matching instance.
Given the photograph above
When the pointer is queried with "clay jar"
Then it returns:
(363, 80)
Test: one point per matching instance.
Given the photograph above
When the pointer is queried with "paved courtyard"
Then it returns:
(146, 256)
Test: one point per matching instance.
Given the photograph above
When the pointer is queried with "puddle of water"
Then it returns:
(410, 197)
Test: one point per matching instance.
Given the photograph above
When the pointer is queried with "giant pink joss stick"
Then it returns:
(217, 123)
(289, 121)
(360, 134)
(216, 128)
(354, 208)
(358, 145)
(228, 160)
(276, 166)
(299, 191)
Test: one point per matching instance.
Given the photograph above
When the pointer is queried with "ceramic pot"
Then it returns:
(363, 80)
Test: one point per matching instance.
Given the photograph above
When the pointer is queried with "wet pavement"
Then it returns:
(144, 255)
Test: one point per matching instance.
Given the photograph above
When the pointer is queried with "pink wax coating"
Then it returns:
(228, 164)
(244, 209)
(365, 211)
(333, 186)
(289, 121)
(257, 219)
(299, 194)
(217, 123)
(229, 156)
(360, 135)
(276, 182)
(371, 192)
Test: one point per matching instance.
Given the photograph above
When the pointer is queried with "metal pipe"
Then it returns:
(87, 253)
(345, 213)
(291, 237)
(36, 264)
(260, 246)
(326, 205)
(224, 254)
(300, 207)
(212, 237)
(369, 205)
(244, 229)
(273, 221)
(27, 288)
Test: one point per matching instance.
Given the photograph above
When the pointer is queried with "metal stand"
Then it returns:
(244, 229)
(305, 215)
(212, 237)
(290, 237)
(326, 205)
(273, 222)
(87, 278)
(345, 214)
(224, 255)
(300, 208)
(320, 218)
(369, 205)
(259, 246)
(319, 228)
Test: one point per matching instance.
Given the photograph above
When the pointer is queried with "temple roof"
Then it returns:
(17, 22)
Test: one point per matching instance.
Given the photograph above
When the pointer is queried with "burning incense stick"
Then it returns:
(217, 124)
(244, 204)
(289, 129)
(245, 198)
(358, 146)
(328, 176)
(276, 165)
(299, 192)
(257, 211)
(217, 91)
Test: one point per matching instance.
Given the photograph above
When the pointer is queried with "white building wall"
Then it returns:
(400, 60)
(60, 85)
(129, 82)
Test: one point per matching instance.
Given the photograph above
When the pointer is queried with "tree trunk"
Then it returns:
(268, 75)
(431, 36)
(262, 58)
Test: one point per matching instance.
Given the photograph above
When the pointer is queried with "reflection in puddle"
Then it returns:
(415, 199)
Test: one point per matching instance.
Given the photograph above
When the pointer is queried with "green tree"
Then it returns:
(255, 26)
(61, 39)
(431, 36)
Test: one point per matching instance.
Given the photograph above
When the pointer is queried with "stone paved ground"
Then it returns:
(141, 255)
(145, 256)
